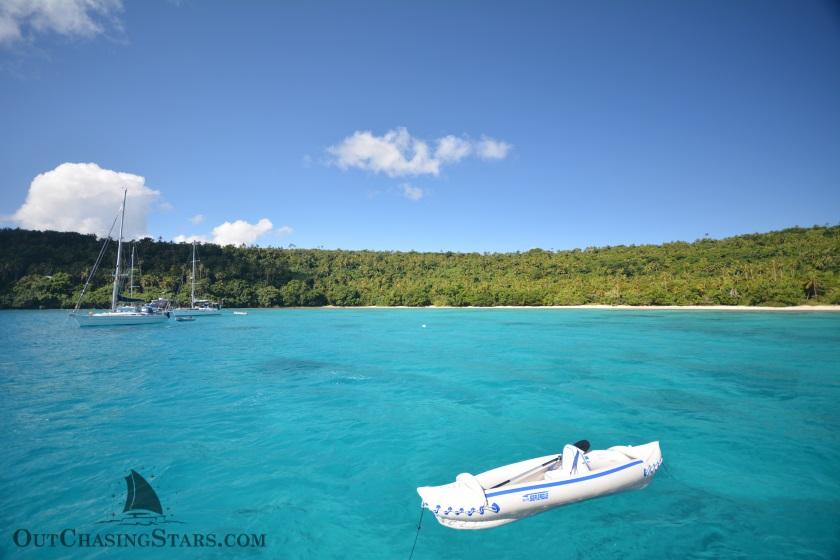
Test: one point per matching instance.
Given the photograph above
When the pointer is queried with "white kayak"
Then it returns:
(512, 492)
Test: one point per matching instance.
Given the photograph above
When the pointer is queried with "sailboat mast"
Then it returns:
(131, 274)
(192, 292)
(115, 292)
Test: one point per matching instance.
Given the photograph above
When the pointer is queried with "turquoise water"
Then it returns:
(313, 427)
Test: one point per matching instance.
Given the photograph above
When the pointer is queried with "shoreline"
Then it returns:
(793, 308)
(822, 308)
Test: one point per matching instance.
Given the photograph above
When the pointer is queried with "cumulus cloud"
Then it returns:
(79, 18)
(240, 232)
(451, 149)
(197, 219)
(191, 238)
(84, 197)
(396, 153)
(489, 148)
(411, 192)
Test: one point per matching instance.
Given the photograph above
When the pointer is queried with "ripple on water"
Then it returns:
(316, 426)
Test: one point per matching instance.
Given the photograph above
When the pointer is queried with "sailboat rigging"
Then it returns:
(198, 307)
(118, 314)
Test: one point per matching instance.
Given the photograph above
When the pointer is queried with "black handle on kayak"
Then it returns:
(583, 445)
(543, 465)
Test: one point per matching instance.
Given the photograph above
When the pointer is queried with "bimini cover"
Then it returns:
(573, 461)
(466, 492)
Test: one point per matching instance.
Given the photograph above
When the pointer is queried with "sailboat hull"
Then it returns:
(186, 312)
(118, 319)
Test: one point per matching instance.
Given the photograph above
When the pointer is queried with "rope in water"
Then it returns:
(419, 524)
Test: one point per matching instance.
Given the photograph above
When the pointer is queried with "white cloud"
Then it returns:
(396, 153)
(240, 232)
(197, 219)
(489, 148)
(83, 197)
(452, 149)
(190, 238)
(9, 29)
(80, 18)
(412, 193)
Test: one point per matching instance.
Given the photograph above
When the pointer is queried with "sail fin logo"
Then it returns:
(142, 505)
(136, 524)
(140, 496)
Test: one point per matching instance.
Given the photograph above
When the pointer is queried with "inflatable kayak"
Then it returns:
(512, 492)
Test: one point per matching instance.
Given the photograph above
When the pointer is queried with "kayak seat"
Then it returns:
(470, 484)
(466, 492)
(574, 462)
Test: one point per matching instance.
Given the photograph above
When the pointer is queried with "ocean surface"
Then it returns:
(313, 428)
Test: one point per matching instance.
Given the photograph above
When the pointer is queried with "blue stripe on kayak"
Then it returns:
(562, 482)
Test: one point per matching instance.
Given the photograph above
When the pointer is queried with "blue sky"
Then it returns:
(612, 122)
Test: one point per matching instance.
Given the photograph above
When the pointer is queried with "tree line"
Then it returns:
(47, 269)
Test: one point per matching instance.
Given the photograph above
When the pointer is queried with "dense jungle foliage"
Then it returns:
(46, 269)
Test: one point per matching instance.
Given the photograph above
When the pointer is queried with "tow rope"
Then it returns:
(419, 524)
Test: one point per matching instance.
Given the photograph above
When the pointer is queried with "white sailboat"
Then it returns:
(198, 307)
(118, 315)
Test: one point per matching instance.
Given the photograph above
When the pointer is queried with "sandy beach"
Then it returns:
(794, 308)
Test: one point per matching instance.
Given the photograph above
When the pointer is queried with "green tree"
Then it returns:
(268, 296)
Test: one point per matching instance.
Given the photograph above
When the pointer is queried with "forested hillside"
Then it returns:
(46, 269)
